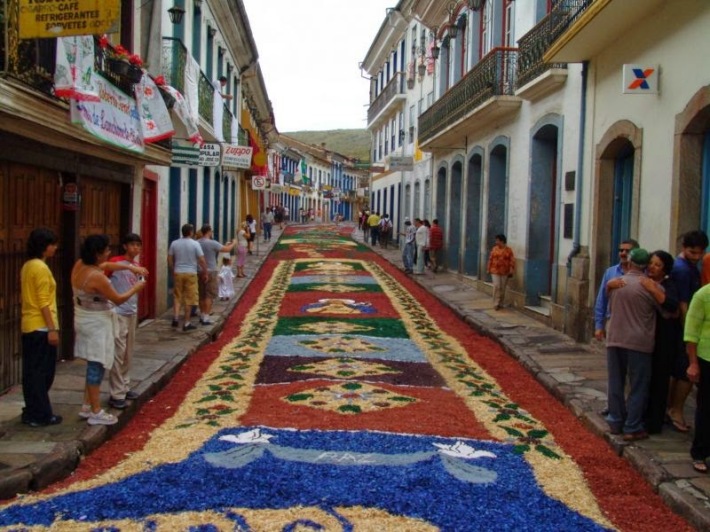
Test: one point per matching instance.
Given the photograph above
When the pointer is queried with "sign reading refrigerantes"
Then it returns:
(61, 18)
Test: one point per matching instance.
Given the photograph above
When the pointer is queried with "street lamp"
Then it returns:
(476, 5)
(176, 13)
(453, 28)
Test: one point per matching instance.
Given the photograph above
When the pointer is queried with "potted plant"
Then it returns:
(120, 62)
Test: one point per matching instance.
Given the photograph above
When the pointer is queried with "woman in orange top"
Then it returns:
(501, 266)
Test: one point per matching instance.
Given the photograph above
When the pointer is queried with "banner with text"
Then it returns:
(60, 18)
(192, 156)
(237, 156)
(113, 119)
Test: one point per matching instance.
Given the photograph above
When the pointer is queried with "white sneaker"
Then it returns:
(85, 412)
(102, 418)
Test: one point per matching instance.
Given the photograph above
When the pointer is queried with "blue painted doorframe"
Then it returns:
(472, 234)
(623, 197)
(453, 244)
(705, 198)
(542, 218)
(497, 195)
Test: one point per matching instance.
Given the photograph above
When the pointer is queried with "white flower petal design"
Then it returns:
(462, 450)
(253, 436)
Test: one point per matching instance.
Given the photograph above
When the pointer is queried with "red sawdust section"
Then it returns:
(295, 302)
(626, 497)
(136, 433)
(439, 412)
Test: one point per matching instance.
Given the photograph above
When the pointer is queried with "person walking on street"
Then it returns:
(185, 260)
(267, 222)
(374, 222)
(208, 285)
(687, 278)
(601, 307)
(501, 267)
(127, 320)
(251, 223)
(408, 249)
(421, 240)
(40, 329)
(436, 244)
(629, 344)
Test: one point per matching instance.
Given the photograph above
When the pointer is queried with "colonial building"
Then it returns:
(82, 158)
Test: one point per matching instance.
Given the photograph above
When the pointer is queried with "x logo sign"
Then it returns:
(641, 77)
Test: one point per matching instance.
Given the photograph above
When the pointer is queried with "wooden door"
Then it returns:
(103, 210)
(149, 228)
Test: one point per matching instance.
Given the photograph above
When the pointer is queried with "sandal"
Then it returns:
(679, 426)
(700, 466)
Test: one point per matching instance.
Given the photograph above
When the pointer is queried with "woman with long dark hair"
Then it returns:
(40, 329)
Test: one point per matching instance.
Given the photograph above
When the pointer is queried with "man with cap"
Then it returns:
(629, 345)
(408, 249)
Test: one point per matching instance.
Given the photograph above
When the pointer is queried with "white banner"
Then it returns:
(73, 72)
(155, 116)
(114, 118)
(237, 156)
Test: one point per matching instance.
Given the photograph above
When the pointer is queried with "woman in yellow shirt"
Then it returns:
(40, 333)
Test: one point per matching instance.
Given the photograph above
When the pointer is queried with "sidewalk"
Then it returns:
(574, 373)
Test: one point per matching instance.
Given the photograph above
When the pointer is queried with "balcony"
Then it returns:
(393, 91)
(32, 61)
(535, 77)
(581, 29)
(485, 93)
(174, 64)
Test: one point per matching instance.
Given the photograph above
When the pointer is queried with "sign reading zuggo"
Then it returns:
(61, 18)
(237, 156)
(258, 182)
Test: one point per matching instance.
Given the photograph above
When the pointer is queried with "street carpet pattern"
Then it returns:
(342, 396)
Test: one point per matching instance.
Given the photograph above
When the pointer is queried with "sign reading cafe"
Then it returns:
(60, 18)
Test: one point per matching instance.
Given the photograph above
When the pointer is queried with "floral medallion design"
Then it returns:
(350, 398)
(340, 344)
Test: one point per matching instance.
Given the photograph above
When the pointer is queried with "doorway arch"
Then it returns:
(497, 191)
(441, 193)
(618, 176)
(453, 230)
(472, 234)
(543, 215)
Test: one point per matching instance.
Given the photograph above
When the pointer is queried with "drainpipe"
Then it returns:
(576, 246)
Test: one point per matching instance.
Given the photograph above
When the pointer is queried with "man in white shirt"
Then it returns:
(421, 238)
(185, 258)
(408, 249)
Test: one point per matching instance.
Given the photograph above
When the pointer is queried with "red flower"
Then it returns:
(120, 51)
(103, 42)
(159, 80)
(136, 60)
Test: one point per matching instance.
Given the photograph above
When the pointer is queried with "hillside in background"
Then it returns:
(350, 142)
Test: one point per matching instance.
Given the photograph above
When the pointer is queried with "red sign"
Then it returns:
(71, 197)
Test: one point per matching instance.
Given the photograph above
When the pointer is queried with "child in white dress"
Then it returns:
(226, 280)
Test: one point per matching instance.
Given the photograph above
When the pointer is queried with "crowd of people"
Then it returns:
(655, 319)
(105, 303)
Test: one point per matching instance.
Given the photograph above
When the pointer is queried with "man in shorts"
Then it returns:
(207, 286)
(185, 259)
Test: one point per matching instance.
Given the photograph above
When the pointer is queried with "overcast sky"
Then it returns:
(309, 52)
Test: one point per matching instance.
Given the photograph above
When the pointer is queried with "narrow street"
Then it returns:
(341, 395)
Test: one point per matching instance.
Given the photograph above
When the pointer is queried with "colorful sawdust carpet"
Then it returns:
(341, 396)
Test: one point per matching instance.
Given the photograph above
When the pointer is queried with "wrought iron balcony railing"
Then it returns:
(392, 89)
(494, 75)
(565, 13)
(33, 61)
(531, 49)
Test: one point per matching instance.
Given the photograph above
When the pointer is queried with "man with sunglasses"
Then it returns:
(601, 307)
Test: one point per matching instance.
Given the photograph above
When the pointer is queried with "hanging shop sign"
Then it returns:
(114, 118)
(404, 164)
(185, 155)
(61, 18)
(237, 156)
(210, 154)
(640, 79)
